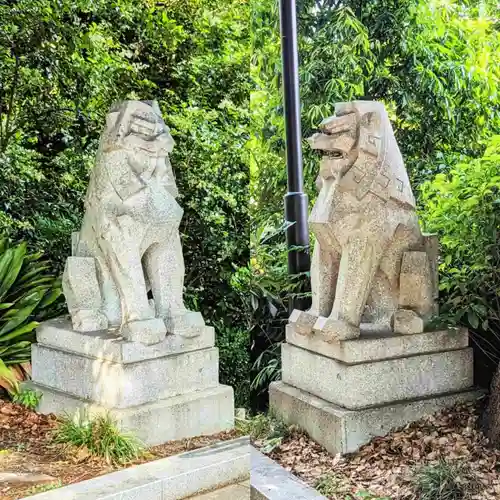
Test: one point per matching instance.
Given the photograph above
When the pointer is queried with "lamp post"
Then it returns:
(296, 202)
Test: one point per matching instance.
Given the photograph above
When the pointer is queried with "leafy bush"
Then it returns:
(445, 481)
(27, 292)
(263, 286)
(463, 207)
(234, 361)
(101, 437)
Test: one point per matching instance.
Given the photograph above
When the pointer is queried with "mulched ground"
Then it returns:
(26, 446)
(384, 466)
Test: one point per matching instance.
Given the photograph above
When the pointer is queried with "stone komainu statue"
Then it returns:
(129, 241)
(371, 263)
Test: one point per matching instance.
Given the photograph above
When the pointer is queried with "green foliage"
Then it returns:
(328, 485)
(40, 488)
(263, 286)
(27, 291)
(101, 437)
(463, 207)
(234, 361)
(267, 430)
(368, 496)
(332, 485)
(28, 398)
(62, 64)
(446, 481)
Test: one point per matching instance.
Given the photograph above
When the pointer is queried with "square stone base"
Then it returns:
(374, 383)
(344, 431)
(201, 413)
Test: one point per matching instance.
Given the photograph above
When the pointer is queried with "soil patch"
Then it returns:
(385, 466)
(26, 446)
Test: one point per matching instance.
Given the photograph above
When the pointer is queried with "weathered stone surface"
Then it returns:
(375, 383)
(408, 322)
(375, 346)
(364, 223)
(302, 321)
(130, 232)
(194, 414)
(107, 345)
(172, 478)
(118, 385)
(344, 431)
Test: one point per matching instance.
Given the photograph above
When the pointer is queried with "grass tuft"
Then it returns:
(445, 481)
(101, 437)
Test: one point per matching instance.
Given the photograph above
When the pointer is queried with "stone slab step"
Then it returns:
(173, 478)
(344, 431)
(379, 346)
(195, 414)
(378, 382)
(110, 346)
(270, 481)
(118, 385)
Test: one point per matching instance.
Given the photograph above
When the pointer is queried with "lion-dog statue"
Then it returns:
(129, 243)
(372, 268)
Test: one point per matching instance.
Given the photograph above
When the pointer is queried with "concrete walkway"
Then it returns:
(240, 491)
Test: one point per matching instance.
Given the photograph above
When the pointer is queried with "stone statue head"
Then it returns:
(137, 126)
(356, 127)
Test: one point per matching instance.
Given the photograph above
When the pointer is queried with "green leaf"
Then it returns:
(21, 316)
(18, 254)
(20, 331)
(472, 319)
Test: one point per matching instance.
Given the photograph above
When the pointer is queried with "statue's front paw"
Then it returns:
(302, 321)
(186, 323)
(334, 330)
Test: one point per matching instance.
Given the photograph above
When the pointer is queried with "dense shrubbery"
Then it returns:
(463, 207)
(234, 361)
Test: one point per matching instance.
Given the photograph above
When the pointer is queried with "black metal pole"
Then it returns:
(296, 202)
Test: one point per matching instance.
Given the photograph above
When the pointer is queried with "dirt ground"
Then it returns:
(26, 446)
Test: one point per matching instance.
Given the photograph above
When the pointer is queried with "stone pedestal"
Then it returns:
(344, 393)
(161, 392)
